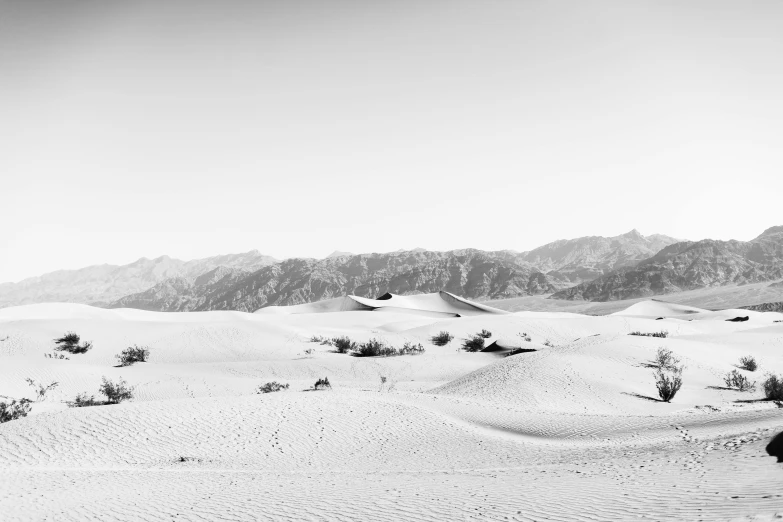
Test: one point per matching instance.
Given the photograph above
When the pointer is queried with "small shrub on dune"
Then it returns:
(321, 340)
(473, 344)
(773, 388)
(411, 349)
(41, 389)
(663, 334)
(442, 339)
(525, 337)
(343, 344)
(666, 360)
(15, 409)
(372, 348)
(322, 384)
(116, 392)
(70, 343)
(548, 344)
(271, 387)
(132, 355)
(486, 334)
(736, 380)
(668, 382)
(56, 356)
(83, 400)
(749, 363)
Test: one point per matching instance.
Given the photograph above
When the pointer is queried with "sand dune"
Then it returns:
(570, 431)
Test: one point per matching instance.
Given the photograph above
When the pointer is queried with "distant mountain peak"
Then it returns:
(633, 234)
(338, 253)
(772, 231)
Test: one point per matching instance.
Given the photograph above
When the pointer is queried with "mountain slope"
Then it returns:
(586, 258)
(472, 274)
(105, 283)
(690, 265)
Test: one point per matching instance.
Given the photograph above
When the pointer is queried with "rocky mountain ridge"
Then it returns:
(689, 265)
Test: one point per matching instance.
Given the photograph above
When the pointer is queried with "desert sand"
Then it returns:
(570, 431)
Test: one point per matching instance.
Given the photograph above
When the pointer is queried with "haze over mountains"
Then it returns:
(591, 268)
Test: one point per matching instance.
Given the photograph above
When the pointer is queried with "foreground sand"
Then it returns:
(568, 432)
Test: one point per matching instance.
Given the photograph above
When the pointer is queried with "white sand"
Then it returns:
(568, 432)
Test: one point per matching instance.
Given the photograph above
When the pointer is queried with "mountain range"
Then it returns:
(591, 268)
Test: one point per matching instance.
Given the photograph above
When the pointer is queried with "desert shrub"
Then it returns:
(666, 360)
(70, 343)
(56, 356)
(116, 392)
(486, 334)
(321, 340)
(773, 388)
(309, 352)
(442, 339)
(549, 343)
(662, 334)
(41, 389)
(82, 400)
(343, 344)
(322, 384)
(735, 379)
(372, 348)
(271, 387)
(668, 382)
(749, 363)
(411, 349)
(133, 354)
(16, 409)
(473, 344)
(525, 337)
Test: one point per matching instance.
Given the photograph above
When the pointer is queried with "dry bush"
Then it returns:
(56, 356)
(442, 339)
(549, 343)
(749, 363)
(271, 387)
(322, 384)
(70, 343)
(473, 344)
(83, 400)
(410, 348)
(16, 409)
(773, 387)
(486, 334)
(321, 340)
(133, 354)
(525, 337)
(663, 334)
(41, 389)
(343, 344)
(736, 380)
(666, 360)
(116, 392)
(668, 382)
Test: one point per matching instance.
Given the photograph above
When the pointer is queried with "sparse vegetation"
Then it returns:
(749, 363)
(56, 356)
(736, 380)
(663, 334)
(41, 389)
(116, 392)
(549, 344)
(271, 387)
(386, 384)
(666, 360)
(668, 381)
(309, 352)
(82, 400)
(321, 340)
(16, 409)
(525, 337)
(322, 384)
(410, 348)
(486, 334)
(70, 343)
(773, 387)
(133, 354)
(473, 344)
(373, 348)
(343, 344)
(442, 339)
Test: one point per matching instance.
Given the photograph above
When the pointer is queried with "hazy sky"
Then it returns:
(195, 128)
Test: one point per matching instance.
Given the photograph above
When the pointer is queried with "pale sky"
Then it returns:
(299, 127)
